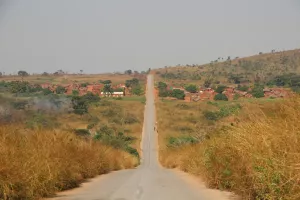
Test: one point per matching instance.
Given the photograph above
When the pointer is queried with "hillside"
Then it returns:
(262, 68)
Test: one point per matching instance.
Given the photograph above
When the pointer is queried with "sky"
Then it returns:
(99, 36)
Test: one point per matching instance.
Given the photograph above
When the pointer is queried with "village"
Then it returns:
(231, 93)
(118, 90)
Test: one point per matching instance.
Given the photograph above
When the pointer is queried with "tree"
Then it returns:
(80, 105)
(106, 82)
(1, 74)
(162, 85)
(207, 83)
(191, 88)
(131, 83)
(137, 90)
(45, 74)
(107, 89)
(60, 90)
(177, 93)
(129, 72)
(81, 71)
(220, 89)
(258, 91)
(220, 97)
(22, 73)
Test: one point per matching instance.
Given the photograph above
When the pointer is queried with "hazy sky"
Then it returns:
(114, 35)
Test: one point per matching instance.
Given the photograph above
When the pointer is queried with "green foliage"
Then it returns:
(174, 142)
(208, 82)
(177, 93)
(47, 91)
(137, 90)
(162, 86)
(236, 96)
(22, 73)
(84, 84)
(80, 105)
(107, 89)
(224, 111)
(220, 89)
(106, 82)
(258, 91)
(130, 119)
(220, 97)
(75, 92)
(131, 83)
(243, 88)
(118, 140)
(191, 88)
(60, 90)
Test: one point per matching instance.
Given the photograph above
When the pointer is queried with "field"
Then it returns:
(249, 147)
(66, 79)
(52, 142)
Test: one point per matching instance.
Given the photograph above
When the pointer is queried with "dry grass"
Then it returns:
(94, 78)
(266, 66)
(258, 158)
(39, 163)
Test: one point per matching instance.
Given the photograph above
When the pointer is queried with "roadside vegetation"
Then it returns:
(52, 142)
(249, 147)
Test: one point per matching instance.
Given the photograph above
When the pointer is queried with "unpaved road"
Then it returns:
(147, 182)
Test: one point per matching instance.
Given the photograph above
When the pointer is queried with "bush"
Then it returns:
(177, 93)
(60, 90)
(220, 89)
(210, 115)
(47, 91)
(130, 119)
(180, 141)
(243, 88)
(220, 97)
(258, 91)
(191, 88)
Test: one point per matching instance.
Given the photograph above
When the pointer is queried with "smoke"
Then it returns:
(52, 104)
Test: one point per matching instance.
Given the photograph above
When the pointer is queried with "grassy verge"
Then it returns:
(253, 152)
(39, 163)
(49, 150)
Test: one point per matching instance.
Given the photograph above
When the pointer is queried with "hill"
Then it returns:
(272, 69)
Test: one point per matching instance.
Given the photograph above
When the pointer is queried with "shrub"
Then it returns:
(220, 89)
(60, 90)
(177, 93)
(210, 115)
(258, 91)
(220, 97)
(47, 91)
(191, 88)
(180, 141)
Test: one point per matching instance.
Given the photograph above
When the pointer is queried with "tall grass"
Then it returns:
(41, 162)
(258, 159)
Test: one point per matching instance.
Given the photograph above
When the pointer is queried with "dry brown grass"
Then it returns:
(93, 78)
(39, 163)
(257, 159)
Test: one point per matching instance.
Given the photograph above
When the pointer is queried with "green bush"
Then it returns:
(191, 88)
(174, 142)
(220, 97)
(210, 115)
(177, 93)
(220, 89)
(258, 91)
(60, 90)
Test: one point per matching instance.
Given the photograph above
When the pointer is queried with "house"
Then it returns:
(113, 94)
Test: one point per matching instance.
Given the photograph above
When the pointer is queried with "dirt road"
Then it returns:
(149, 181)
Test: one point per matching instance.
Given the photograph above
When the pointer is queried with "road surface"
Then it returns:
(149, 181)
